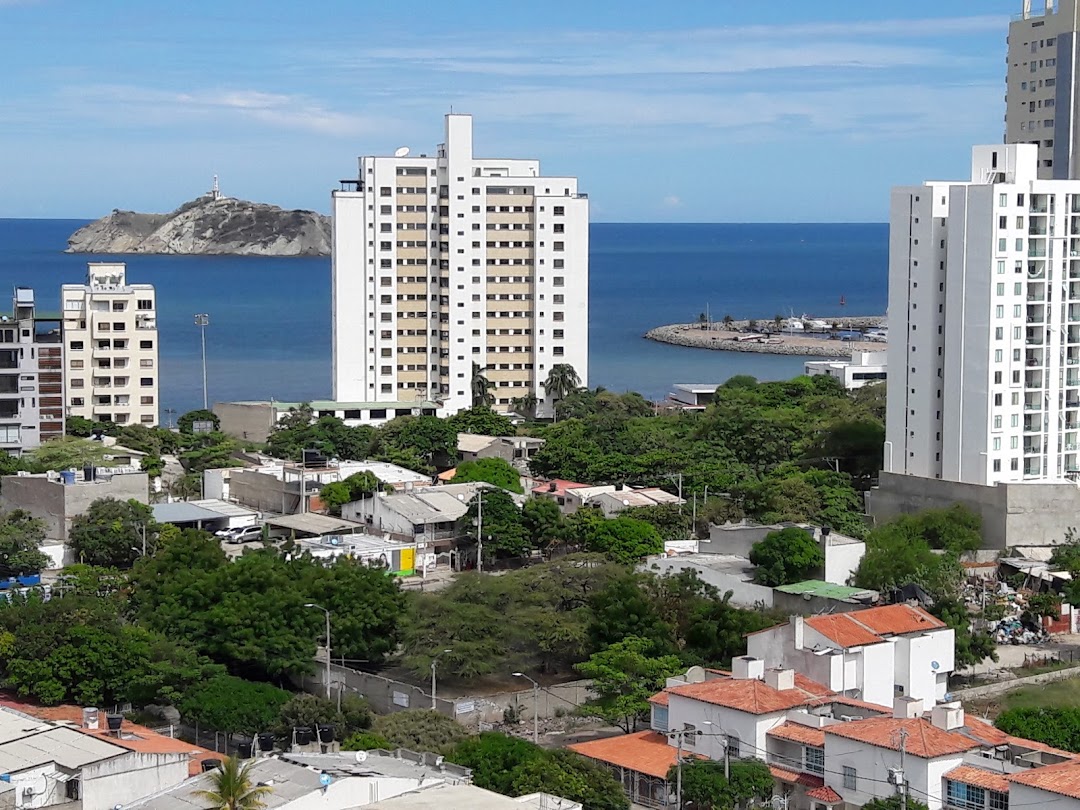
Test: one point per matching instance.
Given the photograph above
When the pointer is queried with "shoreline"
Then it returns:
(807, 344)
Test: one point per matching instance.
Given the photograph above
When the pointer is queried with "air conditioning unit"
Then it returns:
(848, 718)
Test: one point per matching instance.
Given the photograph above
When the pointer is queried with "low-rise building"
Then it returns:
(692, 396)
(517, 450)
(470, 797)
(871, 655)
(58, 498)
(612, 503)
(47, 764)
(864, 368)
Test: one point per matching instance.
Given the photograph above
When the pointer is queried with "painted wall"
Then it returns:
(130, 777)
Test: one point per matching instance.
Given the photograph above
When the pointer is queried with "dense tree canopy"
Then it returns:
(1057, 726)
(704, 783)
(21, 536)
(786, 556)
(111, 532)
(495, 471)
(481, 420)
(420, 730)
(233, 705)
(624, 676)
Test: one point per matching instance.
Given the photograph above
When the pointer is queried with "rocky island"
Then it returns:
(211, 224)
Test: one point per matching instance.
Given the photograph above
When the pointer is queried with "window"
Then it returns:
(850, 778)
(144, 304)
(1000, 287)
(558, 210)
(999, 801)
(76, 345)
(1003, 200)
(146, 382)
(997, 422)
(997, 443)
(965, 797)
(76, 364)
(997, 355)
(1001, 267)
(146, 364)
(76, 383)
(689, 735)
(1002, 245)
(814, 760)
(146, 400)
(146, 344)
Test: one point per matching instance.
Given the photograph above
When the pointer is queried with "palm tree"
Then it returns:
(526, 405)
(232, 788)
(481, 388)
(561, 381)
(703, 320)
(728, 321)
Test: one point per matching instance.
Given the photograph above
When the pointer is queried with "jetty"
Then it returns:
(738, 336)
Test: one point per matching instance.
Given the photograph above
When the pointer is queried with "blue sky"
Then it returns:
(691, 110)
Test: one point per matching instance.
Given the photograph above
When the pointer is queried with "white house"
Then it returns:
(872, 655)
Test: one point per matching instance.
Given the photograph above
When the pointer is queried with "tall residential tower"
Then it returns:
(450, 264)
(1041, 105)
(111, 353)
(984, 323)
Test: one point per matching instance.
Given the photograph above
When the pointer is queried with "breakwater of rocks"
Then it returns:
(721, 337)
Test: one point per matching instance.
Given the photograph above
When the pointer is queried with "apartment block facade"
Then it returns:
(31, 377)
(449, 264)
(1043, 69)
(111, 347)
(984, 304)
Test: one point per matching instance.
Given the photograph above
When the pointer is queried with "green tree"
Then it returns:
(233, 787)
(494, 759)
(21, 537)
(233, 705)
(623, 609)
(1056, 726)
(481, 388)
(971, 647)
(481, 420)
(624, 677)
(503, 530)
(624, 539)
(358, 485)
(543, 522)
(365, 741)
(564, 773)
(110, 533)
(495, 471)
(526, 405)
(308, 711)
(704, 783)
(420, 730)
(561, 380)
(854, 444)
(186, 422)
(66, 453)
(79, 426)
(717, 631)
(786, 556)
(668, 519)
(420, 443)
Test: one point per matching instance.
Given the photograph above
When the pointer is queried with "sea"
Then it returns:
(269, 331)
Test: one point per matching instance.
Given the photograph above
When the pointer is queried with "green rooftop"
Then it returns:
(816, 587)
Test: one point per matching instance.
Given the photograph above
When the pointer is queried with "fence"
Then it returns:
(387, 696)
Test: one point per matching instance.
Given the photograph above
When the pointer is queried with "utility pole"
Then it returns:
(727, 759)
(202, 320)
(901, 777)
(479, 531)
(679, 736)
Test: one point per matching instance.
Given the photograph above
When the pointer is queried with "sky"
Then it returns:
(684, 111)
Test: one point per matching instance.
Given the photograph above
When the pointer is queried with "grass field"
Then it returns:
(1058, 694)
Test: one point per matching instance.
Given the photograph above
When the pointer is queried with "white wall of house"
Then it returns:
(1026, 796)
(41, 781)
(841, 560)
(872, 766)
(751, 729)
(130, 777)
(916, 657)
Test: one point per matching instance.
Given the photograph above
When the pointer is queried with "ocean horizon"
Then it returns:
(269, 333)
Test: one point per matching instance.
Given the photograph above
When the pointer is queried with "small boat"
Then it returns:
(843, 301)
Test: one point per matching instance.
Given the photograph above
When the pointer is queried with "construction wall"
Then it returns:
(265, 493)
(58, 504)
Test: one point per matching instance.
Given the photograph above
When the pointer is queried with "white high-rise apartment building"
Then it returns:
(446, 261)
(1041, 105)
(110, 347)
(984, 322)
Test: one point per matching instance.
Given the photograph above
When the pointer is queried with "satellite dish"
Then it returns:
(934, 665)
(401, 152)
(361, 756)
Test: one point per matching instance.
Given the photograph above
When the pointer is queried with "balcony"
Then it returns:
(1039, 204)
(1036, 251)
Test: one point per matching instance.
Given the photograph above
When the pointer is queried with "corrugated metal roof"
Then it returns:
(66, 747)
(473, 442)
(445, 503)
(182, 512)
(313, 523)
(224, 507)
(817, 587)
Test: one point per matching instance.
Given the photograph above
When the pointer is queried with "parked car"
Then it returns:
(241, 534)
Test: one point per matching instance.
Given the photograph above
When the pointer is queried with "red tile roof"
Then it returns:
(659, 699)
(799, 733)
(1063, 779)
(924, 739)
(805, 779)
(984, 732)
(824, 794)
(874, 625)
(752, 696)
(979, 777)
(561, 485)
(645, 752)
(841, 629)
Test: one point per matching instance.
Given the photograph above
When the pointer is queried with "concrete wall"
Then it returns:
(793, 603)
(991, 689)
(245, 420)
(58, 504)
(130, 777)
(735, 540)
(1013, 514)
(387, 696)
(265, 493)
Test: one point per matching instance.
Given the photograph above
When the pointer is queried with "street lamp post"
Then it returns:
(202, 320)
(434, 664)
(327, 612)
(536, 700)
